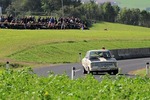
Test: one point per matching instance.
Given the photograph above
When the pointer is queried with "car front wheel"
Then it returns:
(88, 72)
(84, 71)
(115, 72)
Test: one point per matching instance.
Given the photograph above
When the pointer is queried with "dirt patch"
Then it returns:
(140, 72)
(135, 71)
(16, 64)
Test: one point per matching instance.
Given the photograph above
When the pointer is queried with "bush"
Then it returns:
(24, 84)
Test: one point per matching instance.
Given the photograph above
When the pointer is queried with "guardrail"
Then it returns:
(131, 53)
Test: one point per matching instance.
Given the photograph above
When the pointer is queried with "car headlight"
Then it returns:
(95, 64)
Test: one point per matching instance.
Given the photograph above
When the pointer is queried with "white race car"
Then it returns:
(99, 61)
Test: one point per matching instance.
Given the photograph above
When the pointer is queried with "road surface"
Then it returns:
(126, 66)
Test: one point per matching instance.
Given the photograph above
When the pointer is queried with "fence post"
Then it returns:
(80, 57)
(73, 72)
(7, 65)
(147, 68)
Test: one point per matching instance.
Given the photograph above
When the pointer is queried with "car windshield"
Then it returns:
(105, 54)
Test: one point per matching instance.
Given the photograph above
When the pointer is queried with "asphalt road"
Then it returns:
(126, 66)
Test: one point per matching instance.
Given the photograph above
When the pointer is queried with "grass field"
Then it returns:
(63, 46)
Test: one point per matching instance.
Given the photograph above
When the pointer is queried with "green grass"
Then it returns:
(24, 85)
(134, 3)
(68, 52)
(63, 46)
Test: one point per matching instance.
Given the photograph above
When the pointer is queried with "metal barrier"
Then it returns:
(131, 53)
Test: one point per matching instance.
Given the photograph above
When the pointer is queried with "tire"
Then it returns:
(115, 72)
(88, 72)
(84, 71)
(110, 73)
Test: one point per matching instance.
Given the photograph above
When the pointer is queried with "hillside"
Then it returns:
(141, 4)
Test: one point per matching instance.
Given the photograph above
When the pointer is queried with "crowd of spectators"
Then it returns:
(30, 22)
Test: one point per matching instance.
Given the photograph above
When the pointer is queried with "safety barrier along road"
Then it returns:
(131, 53)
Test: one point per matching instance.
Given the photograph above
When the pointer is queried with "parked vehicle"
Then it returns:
(99, 61)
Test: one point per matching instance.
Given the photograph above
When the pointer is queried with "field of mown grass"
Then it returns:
(63, 46)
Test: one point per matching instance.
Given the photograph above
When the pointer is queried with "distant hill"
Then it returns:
(100, 1)
(141, 4)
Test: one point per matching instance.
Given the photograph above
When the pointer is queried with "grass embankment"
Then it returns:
(63, 46)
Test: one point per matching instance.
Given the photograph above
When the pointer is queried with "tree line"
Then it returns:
(90, 11)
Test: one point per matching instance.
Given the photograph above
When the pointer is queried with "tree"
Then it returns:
(53, 5)
(116, 12)
(5, 3)
(109, 13)
(129, 16)
(135, 15)
(15, 8)
(32, 5)
(144, 18)
(22, 6)
(123, 16)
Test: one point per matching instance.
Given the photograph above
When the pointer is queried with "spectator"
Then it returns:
(30, 22)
